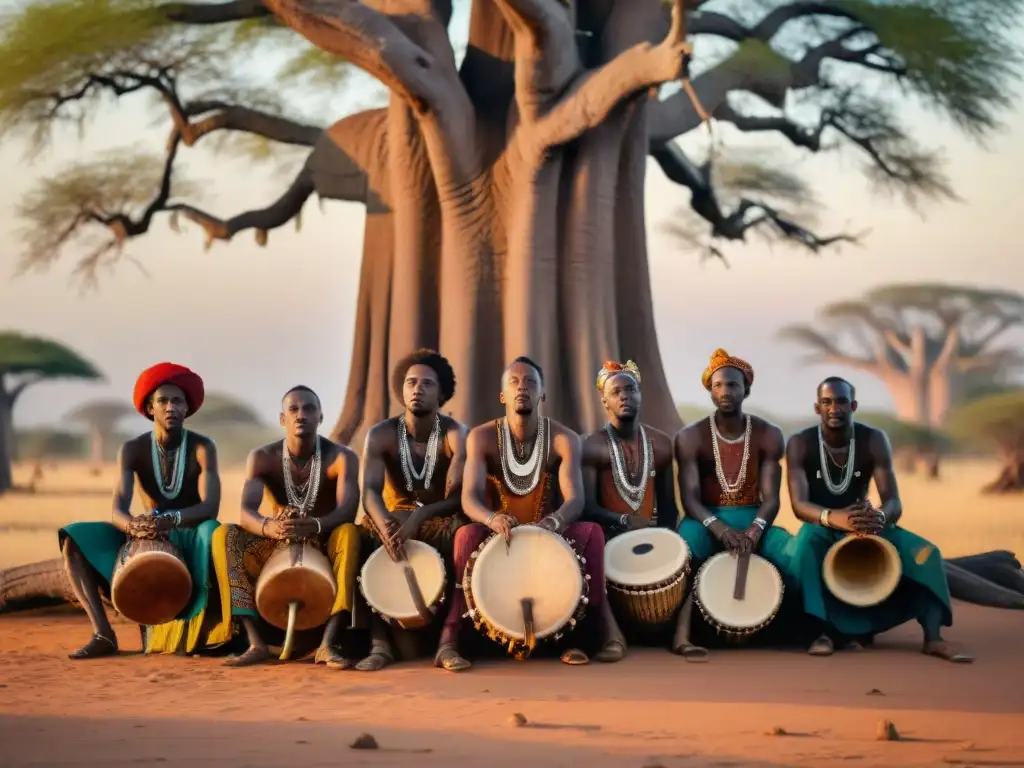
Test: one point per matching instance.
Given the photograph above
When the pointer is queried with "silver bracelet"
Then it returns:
(707, 522)
(760, 523)
(177, 518)
(490, 517)
(319, 526)
(624, 520)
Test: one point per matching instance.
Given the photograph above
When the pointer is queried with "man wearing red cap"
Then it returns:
(177, 474)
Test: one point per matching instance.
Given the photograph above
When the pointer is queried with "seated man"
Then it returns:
(830, 469)
(314, 486)
(177, 474)
(627, 472)
(511, 464)
(412, 474)
(730, 477)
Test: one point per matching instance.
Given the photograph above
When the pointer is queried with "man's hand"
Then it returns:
(391, 538)
(736, 542)
(276, 528)
(163, 523)
(869, 520)
(636, 522)
(503, 524)
(550, 523)
(754, 533)
(859, 517)
(141, 527)
(301, 527)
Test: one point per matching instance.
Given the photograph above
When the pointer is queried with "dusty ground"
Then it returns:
(650, 710)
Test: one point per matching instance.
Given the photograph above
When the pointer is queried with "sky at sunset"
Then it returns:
(256, 321)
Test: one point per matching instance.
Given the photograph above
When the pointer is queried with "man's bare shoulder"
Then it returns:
(558, 429)
(689, 434)
(382, 433)
(333, 451)
(769, 431)
(662, 442)
(595, 449)
(484, 435)
(453, 427)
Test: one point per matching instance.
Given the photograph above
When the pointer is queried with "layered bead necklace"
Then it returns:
(836, 489)
(304, 496)
(730, 489)
(522, 477)
(175, 459)
(632, 494)
(426, 473)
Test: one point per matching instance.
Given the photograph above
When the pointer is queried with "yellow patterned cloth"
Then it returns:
(247, 554)
(722, 359)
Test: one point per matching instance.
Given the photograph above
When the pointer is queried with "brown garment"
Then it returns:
(397, 497)
(537, 504)
(610, 499)
(711, 492)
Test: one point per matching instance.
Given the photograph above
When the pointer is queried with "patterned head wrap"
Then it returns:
(722, 359)
(151, 379)
(612, 368)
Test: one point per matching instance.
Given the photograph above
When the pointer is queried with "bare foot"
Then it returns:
(97, 647)
(943, 650)
(375, 662)
(332, 657)
(613, 651)
(823, 646)
(574, 657)
(692, 653)
(448, 658)
(255, 655)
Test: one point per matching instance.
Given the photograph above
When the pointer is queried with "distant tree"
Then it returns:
(915, 446)
(932, 345)
(24, 361)
(101, 418)
(224, 410)
(997, 420)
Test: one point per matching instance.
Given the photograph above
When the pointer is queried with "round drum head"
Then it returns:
(151, 588)
(539, 565)
(308, 581)
(383, 583)
(645, 557)
(716, 582)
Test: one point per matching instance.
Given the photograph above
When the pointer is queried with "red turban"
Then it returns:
(151, 379)
(722, 359)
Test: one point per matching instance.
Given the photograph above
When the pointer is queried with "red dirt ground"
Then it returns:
(652, 709)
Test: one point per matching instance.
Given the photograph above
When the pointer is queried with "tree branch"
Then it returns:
(214, 13)
(231, 117)
(828, 350)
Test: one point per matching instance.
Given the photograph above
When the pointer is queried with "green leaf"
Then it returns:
(33, 355)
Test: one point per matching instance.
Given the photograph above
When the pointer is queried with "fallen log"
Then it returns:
(992, 579)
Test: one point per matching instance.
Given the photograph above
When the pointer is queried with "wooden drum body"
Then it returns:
(862, 570)
(538, 568)
(151, 583)
(297, 574)
(384, 584)
(646, 572)
(738, 619)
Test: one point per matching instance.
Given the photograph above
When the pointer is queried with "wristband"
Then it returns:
(823, 518)
(490, 519)
(177, 518)
(760, 523)
(263, 528)
(319, 526)
(708, 521)
(623, 520)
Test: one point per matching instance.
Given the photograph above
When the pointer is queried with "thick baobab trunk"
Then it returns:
(6, 440)
(1011, 478)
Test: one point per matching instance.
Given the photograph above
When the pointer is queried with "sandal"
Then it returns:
(375, 662)
(574, 657)
(97, 647)
(448, 658)
(823, 646)
(333, 658)
(943, 650)
(694, 654)
(256, 654)
(614, 651)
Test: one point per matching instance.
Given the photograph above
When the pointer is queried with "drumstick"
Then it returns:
(530, 639)
(414, 585)
(742, 567)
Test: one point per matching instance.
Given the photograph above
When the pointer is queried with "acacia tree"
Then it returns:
(996, 421)
(101, 418)
(504, 194)
(24, 361)
(932, 345)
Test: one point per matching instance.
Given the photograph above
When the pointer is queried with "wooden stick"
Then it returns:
(742, 567)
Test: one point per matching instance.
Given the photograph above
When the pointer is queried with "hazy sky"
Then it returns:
(255, 321)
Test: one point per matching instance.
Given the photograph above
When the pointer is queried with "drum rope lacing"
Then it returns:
(310, 489)
(521, 478)
(730, 489)
(632, 494)
(836, 489)
(172, 487)
(426, 473)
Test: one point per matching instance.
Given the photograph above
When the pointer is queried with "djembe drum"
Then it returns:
(296, 590)
(533, 588)
(388, 591)
(151, 583)
(738, 596)
(646, 573)
(862, 570)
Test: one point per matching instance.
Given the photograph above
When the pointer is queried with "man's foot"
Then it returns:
(448, 658)
(97, 647)
(574, 657)
(255, 655)
(943, 650)
(332, 657)
(613, 651)
(823, 646)
(853, 645)
(375, 662)
(692, 653)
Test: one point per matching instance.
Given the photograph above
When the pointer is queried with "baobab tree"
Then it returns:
(932, 345)
(25, 361)
(504, 192)
(101, 418)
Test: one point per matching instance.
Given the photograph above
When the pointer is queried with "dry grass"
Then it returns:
(950, 512)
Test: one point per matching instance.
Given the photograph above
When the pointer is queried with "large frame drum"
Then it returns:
(538, 573)
(151, 583)
(738, 619)
(862, 570)
(296, 590)
(646, 572)
(384, 585)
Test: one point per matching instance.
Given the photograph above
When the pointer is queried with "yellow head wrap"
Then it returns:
(722, 359)
(612, 368)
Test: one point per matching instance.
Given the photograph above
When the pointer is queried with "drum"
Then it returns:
(646, 572)
(862, 570)
(151, 583)
(738, 618)
(384, 584)
(533, 589)
(296, 590)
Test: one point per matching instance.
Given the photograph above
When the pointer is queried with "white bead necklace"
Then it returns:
(836, 489)
(521, 478)
(730, 489)
(426, 473)
(310, 489)
(632, 494)
(172, 488)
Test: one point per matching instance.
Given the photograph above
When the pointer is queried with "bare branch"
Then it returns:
(825, 348)
(214, 13)
(231, 117)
